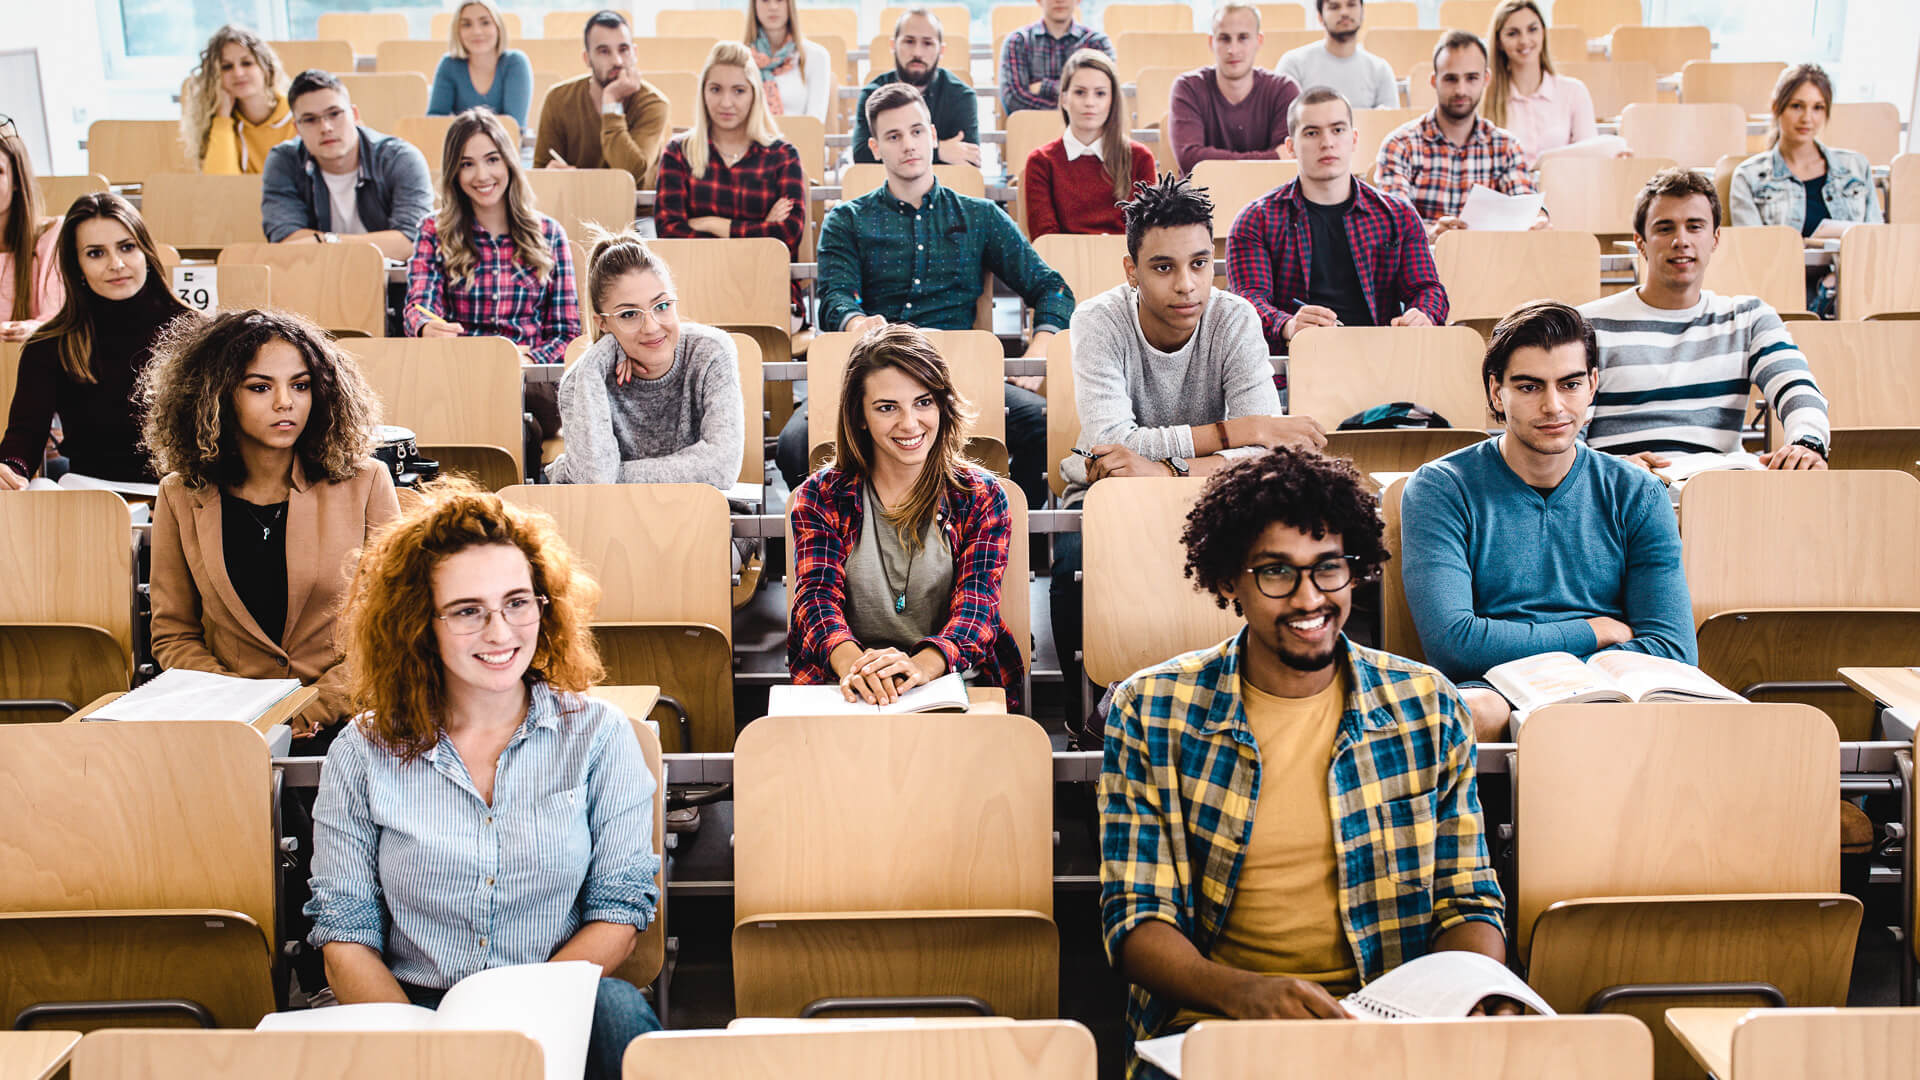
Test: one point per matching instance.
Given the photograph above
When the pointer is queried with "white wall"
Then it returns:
(73, 77)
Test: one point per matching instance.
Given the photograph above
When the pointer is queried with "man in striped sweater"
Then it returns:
(1677, 362)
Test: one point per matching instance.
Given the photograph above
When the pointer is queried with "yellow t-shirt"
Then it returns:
(1285, 915)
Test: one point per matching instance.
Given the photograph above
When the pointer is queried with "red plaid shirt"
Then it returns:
(742, 193)
(827, 511)
(1270, 251)
(501, 297)
(1418, 164)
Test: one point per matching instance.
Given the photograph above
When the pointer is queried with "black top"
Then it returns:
(255, 540)
(1332, 280)
(100, 420)
(1816, 204)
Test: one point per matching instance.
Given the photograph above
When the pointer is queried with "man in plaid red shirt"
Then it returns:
(1434, 161)
(1326, 249)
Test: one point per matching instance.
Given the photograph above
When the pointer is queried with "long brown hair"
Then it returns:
(793, 33)
(398, 681)
(909, 351)
(1788, 85)
(1116, 144)
(455, 220)
(188, 389)
(1493, 105)
(201, 95)
(23, 223)
(72, 325)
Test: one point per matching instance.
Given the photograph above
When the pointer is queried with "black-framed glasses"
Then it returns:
(1277, 581)
(8, 127)
(473, 618)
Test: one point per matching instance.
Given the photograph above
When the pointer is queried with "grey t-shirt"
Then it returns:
(880, 572)
(1365, 80)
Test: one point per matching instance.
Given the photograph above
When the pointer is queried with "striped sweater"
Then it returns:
(1679, 380)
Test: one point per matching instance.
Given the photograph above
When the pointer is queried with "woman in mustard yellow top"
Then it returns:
(234, 105)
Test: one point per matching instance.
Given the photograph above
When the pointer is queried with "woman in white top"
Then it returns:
(798, 73)
(1544, 110)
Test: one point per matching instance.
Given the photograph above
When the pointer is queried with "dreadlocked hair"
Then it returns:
(1168, 203)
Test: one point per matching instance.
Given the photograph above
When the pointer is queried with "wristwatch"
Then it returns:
(1813, 443)
(1178, 465)
(329, 238)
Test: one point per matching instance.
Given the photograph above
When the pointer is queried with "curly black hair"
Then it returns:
(1315, 494)
(1168, 203)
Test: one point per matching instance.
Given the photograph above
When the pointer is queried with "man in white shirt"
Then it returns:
(1365, 80)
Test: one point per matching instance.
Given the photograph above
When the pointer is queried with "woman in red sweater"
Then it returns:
(1075, 183)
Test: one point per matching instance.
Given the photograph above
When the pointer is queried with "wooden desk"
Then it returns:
(986, 699)
(35, 1055)
(636, 701)
(1708, 1036)
(281, 713)
(1894, 687)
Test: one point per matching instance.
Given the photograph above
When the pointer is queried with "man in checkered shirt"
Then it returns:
(1434, 161)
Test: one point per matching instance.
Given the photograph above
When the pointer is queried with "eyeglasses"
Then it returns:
(519, 611)
(7, 127)
(1277, 581)
(631, 317)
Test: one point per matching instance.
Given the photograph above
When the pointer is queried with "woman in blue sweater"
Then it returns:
(479, 69)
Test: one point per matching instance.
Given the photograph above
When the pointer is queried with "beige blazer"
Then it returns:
(200, 622)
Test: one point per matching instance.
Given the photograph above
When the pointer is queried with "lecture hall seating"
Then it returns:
(1565, 1047)
(954, 1049)
(461, 398)
(304, 1055)
(1488, 274)
(1694, 135)
(1879, 270)
(343, 287)
(1865, 370)
(441, 27)
(1336, 372)
(66, 615)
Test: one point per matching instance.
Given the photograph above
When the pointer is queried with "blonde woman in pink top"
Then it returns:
(1544, 111)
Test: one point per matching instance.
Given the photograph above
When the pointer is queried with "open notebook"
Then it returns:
(948, 693)
(549, 1003)
(1558, 678)
(1439, 985)
(180, 694)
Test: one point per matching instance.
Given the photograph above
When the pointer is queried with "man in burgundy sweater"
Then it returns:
(1233, 110)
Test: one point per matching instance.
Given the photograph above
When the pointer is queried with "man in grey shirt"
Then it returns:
(1170, 375)
(1365, 80)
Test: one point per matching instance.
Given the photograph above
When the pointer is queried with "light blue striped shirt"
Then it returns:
(408, 860)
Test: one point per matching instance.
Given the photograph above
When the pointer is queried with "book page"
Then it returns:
(77, 482)
(948, 693)
(550, 1003)
(1681, 467)
(181, 694)
(1486, 210)
(374, 1016)
(1533, 681)
(1440, 985)
(1163, 1052)
(1642, 676)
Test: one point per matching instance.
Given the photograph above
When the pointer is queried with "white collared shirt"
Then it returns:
(1075, 148)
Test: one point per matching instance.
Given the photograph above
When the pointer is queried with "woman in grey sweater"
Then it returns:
(654, 400)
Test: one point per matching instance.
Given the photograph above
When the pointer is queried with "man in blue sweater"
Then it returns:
(1530, 542)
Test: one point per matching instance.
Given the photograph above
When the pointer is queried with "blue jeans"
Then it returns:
(620, 1015)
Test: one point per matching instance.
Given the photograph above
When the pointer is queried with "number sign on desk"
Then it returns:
(198, 287)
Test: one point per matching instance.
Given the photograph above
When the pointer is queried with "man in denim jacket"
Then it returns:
(340, 181)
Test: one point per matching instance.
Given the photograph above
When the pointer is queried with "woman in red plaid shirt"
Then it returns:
(733, 175)
(900, 545)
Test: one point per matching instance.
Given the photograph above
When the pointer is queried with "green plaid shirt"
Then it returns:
(1182, 775)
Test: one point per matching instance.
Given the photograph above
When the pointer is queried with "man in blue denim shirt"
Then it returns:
(340, 181)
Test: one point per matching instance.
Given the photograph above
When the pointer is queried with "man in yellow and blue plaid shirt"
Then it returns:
(1287, 815)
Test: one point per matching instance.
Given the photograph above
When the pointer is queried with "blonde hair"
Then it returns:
(1116, 144)
(1230, 6)
(615, 255)
(458, 49)
(760, 126)
(793, 32)
(200, 97)
(1500, 85)
(455, 220)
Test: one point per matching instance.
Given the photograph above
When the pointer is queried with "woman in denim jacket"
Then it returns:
(1801, 183)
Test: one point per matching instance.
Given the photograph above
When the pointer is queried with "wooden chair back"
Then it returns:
(428, 134)
(858, 179)
(398, 57)
(1879, 270)
(689, 662)
(1613, 84)
(975, 360)
(1400, 46)
(1153, 93)
(1233, 185)
(1139, 608)
(1723, 185)
(1568, 1047)
(1183, 49)
(577, 197)
(733, 282)
(659, 551)
(543, 82)
(364, 30)
(809, 138)
(1090, 264)
(650, 947)
(565, 25)
(1693, 135)
(62, 666)
(682, 91)
(1420, 93)
(1063, 412)
(1599, 17)
(343, 287)
(58, 192)
(441, 27)
(1748, 85)
(1488, 274)
(325, 55)
(927, 1050)
(1117, 19)
(1596, 194)
(383, 98)
(753, 398)
(1868, 127)
(1398, 635)
(1281, 17)
(1759, 260)
(1732, 549)
(242, 286)
(128, 151)
(1566, 40)
(1667, 48)
(1004, 19)
(725, 25)
(202, 213)
(1865, 369)
(1473, 16)
(1284, 39)
(1028, 130)
(450, 392)
(1394, 14)
(559, 55)
(307, 1055)
(955, 55)
(840, 22)
(73, 557)
(1903, 178)
(1371, 128)
(1865, 1043)
(1336, 372)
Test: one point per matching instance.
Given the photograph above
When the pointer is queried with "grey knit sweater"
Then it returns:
(686, 427)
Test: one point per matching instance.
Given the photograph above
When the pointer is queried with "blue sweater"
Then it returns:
(1495, 571)
(510, 94)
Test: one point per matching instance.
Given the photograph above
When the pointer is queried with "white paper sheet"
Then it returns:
(1489, 211)
(182, 694)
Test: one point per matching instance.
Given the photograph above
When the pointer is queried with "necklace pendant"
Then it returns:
(266, 531)
(900, 604)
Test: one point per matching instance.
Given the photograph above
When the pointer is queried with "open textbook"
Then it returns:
(1439, 985)
(1683, 467)
(550, 1003)
(181, 694)
(1558, 678)
(77, 482)
(948, 693)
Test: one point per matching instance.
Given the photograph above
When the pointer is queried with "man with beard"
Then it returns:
(1232, 110)
(609, 118)
(1531, 542)
(1362, 78)
(918, 42)
(1286, 815)
(1434, 161)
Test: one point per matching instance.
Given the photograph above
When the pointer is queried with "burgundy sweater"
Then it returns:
(1203, 126)
(1077, 196)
